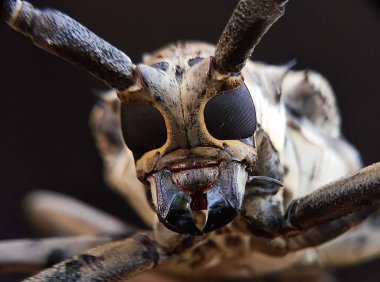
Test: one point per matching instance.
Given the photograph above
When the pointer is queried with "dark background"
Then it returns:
(45, 142)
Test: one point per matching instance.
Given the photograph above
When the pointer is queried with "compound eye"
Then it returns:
(231, 115)
(143, 128)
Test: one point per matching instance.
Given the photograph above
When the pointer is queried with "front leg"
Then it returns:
(31, 255)
(114, 261)
(335, 200)
(262, 210)
(327, 213)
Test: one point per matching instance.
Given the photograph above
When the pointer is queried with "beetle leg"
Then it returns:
(55, 214)
(113, 261)
(313, 237)
(334, 200)
(263, 212)
(60, 35)
(357, 245)
(36, 254)
(119, 165)
(318, 217)
(361, 243)
(323, 233)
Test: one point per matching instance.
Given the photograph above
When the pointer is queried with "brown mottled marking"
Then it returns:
(181, 97)
(151, 248)
(73, 265)
(37, 254)
(114, 261)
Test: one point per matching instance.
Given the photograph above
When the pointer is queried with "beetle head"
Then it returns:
(191, 130)
(189, 119)
(190, 122)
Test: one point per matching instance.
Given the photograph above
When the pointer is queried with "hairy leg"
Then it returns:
(114, 261)
(263, 210)
(324, 214)
(30, 255)
(358, 245)
(54, 214)
(334, 200)
(62, 36)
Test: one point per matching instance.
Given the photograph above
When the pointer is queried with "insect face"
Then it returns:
(190, 102)
(201, 126)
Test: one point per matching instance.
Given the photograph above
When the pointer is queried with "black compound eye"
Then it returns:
(194, 61)
(143, 128)
(231, 115)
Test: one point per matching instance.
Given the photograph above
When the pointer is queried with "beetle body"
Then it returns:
(307, 150)
(244, 166)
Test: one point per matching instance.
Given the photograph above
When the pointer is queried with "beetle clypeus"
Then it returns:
(202, 166)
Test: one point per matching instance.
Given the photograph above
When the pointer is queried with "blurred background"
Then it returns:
(45, 142)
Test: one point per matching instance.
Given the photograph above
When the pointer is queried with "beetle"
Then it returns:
(189, 231)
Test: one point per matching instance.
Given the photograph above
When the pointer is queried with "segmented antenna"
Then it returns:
(60, 35)
(250, 20)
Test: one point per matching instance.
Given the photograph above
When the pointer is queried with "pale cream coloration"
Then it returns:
(311, 153)
(308, 152)
(311, 145)
(53, 213)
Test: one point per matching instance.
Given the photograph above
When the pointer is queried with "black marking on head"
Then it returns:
(56, 256)
(194, 61)
(150, 252)
(179, 72)
(231, 115)
(278, 93)
(293, 112)
(164, 66)
(143, 128)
